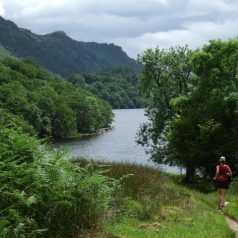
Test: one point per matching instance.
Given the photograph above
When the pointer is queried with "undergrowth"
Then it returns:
(44, 195)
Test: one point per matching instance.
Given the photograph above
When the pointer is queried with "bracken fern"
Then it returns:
(44, 195)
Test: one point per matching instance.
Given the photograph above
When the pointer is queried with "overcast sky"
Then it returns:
(133, 24)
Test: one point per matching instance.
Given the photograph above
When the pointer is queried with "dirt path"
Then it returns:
(233, 225)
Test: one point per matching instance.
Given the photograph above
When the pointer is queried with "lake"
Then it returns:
(117, 144)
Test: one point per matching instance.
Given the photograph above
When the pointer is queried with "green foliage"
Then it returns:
(118, 86)
(61, 54)
(192, 105)
(54, 107)
(232, 208)
(133, 208)
(10, 120)
(4, 53)
(202, 135)
(44, 195)
(167, 74)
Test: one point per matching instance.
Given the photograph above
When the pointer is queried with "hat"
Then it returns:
(222, 159)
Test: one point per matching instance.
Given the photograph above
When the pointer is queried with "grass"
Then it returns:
(192, 226)
(232, 197)
(153, 204)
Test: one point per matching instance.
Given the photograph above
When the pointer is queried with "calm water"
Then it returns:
(117, 144)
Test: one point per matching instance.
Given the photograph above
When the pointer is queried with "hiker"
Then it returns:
(223, 172)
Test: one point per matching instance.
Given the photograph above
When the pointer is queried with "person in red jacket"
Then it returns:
(221, 178)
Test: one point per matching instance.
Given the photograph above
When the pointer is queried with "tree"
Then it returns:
(64, 122)
(193, 106)
(167, 74)
(215, 98)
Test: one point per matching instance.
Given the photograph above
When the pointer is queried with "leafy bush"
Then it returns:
(10, 120)
(44, 195)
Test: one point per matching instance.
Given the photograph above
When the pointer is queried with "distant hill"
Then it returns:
(60, 53)
(118, 86)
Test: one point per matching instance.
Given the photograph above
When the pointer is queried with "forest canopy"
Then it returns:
(118, 86)
(52, 106)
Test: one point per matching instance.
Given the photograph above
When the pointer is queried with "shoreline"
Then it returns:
(81, 136)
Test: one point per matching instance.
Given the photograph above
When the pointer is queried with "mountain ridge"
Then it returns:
(60, 53)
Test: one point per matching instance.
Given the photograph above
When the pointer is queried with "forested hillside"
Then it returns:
(4, 53)
(35, 99)
(61, 54)
(117, 86)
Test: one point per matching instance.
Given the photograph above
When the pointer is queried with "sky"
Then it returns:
(135, 25)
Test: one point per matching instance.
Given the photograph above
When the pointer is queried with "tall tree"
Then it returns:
(210, 113)
(200, 122)
(166, 74)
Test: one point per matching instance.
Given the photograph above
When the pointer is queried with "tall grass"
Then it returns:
(44, 195)
(152, 204)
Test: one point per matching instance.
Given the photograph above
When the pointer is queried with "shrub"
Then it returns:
(42, 194)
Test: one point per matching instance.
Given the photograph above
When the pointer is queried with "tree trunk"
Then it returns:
(190, 173)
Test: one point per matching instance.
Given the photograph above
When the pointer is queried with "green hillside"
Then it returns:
(4, 53)
(117, 86)
(60, 53)
(52, 106)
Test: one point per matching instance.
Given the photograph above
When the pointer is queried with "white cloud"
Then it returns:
(2, 11)
(133, 24)
(194, 35)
